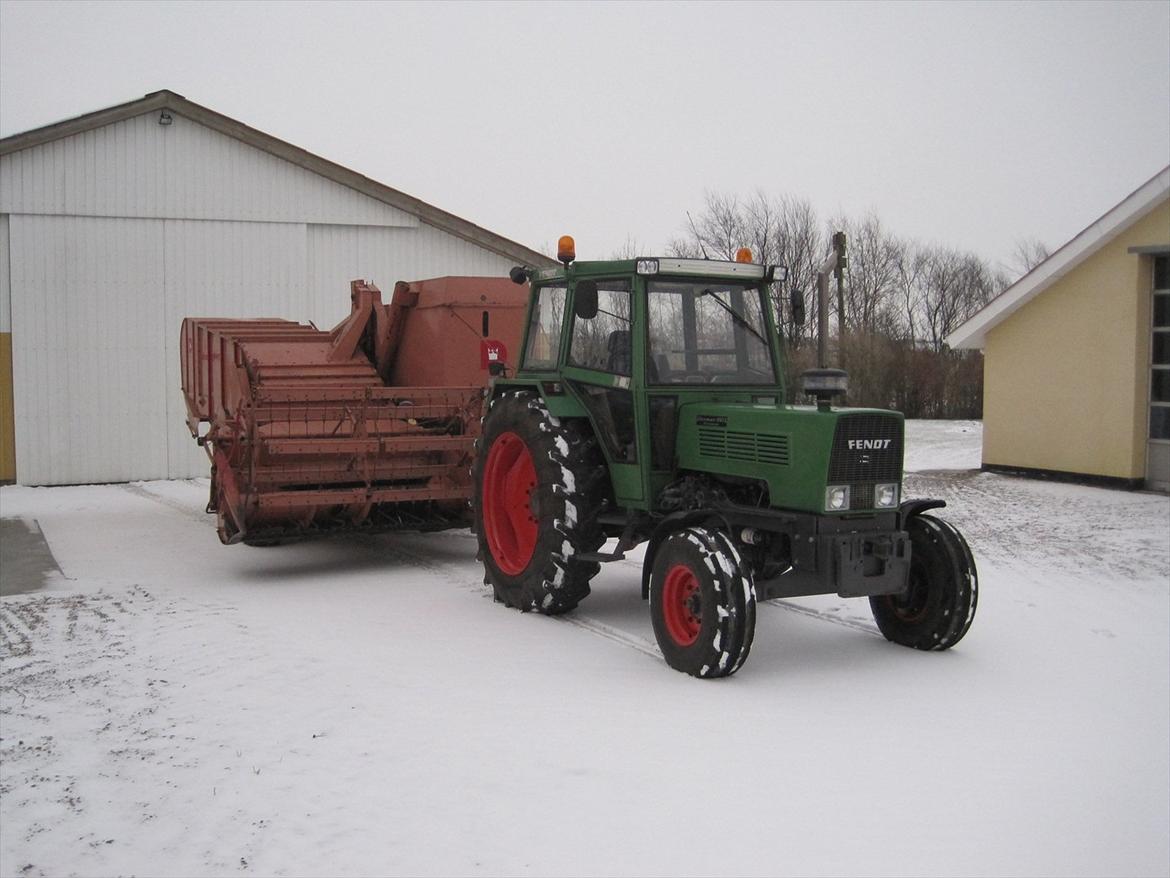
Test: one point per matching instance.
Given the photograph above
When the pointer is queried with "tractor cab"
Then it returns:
(632, 342)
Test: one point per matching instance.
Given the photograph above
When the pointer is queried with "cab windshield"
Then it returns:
(705, 332)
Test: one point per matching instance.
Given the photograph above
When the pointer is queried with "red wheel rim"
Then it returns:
(509, 522)
(911, 607)
(681, 610)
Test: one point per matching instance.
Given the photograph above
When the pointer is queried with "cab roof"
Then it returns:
(666, 265)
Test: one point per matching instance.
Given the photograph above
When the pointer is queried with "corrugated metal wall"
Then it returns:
(5, 287)
(118, 233)
(229, 269)
(88, 344)
(7, 421)
(183, 170)
(338, 254)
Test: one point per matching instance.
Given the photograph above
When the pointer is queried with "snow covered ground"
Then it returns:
(171, 706)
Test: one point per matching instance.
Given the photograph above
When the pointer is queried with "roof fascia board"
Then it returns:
(973, 333)
(87, 122)
(229, 127)
(428, 213)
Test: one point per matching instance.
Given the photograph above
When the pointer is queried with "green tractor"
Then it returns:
(649, 405)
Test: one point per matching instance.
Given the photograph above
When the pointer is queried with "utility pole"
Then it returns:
(835, 263)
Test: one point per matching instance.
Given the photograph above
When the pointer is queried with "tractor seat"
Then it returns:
(618, 359)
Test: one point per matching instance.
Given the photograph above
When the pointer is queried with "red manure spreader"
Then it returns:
(368, 426)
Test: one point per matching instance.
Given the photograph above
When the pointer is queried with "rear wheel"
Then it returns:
(702, 603)
(937, 608)
(539, 485)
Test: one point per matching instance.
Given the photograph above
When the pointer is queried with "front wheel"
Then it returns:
(936, 609)
(702, 603)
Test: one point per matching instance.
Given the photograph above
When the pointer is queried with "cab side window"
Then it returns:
(544, 329)
(603, 342)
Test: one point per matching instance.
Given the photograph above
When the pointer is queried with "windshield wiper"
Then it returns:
(611, 314)
(734, 315)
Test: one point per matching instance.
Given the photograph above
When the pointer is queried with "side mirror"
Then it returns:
(796, 300)
(518, 274)
(585, 299)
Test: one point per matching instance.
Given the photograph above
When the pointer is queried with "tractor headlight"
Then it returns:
(647, 266)
(885, 496)
(836, 498)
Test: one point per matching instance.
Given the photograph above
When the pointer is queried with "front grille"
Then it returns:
(736, 445)
(860, 496)
(879, 459)
(875, 458)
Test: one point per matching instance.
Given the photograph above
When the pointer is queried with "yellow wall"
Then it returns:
(7, 425)
(1065, 383)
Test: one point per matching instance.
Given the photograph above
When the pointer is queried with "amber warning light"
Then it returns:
(743, 254)
(566, 249)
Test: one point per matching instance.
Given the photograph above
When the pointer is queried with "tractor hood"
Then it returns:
(798, 451)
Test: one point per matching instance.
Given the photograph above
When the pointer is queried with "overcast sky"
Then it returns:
(970, 125)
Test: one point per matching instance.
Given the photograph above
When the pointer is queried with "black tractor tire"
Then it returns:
(937, 609)
(702, 603)
(539, 485)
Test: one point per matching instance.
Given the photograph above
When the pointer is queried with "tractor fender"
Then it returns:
(910, 508)
(670, 524)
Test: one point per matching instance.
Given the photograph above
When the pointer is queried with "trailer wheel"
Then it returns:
(539, 485)
(702, 603)
(263, 542)
(937, 608)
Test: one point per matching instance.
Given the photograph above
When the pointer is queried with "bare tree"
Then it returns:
(631, 249)
(900, 302)
(938, 301)
(1026, 255)
(720, 227)
(911, 266)
(801, 250)
(762, 223)
(780, 231)
(686, 247)
(871, 276)
(955, 286)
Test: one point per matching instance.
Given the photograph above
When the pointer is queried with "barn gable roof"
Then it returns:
(973, 333)
(176, 103)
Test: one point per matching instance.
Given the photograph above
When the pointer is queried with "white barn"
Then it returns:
(117, 224)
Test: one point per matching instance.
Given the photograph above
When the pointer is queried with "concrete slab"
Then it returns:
(26, 563)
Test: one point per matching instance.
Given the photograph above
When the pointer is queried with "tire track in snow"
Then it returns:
(777, 603)
(452, 574)
(576, 618)
(15, 633)
(608, 632)
(782, 604)
(139, 490)
(1096, 523)
(449, 572)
